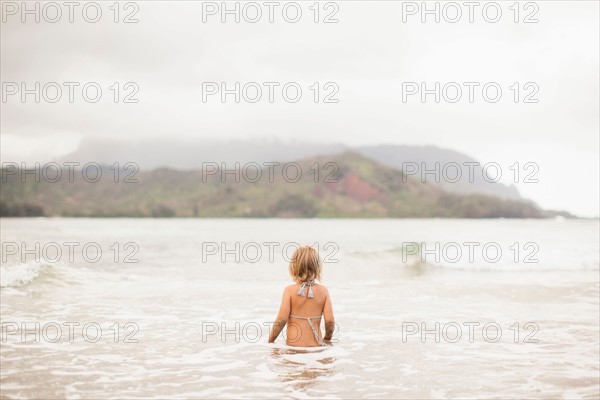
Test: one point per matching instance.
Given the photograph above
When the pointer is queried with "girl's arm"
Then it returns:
(282, 316)
(329, 319)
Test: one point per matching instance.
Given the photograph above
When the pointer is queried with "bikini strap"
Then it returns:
(310, 289)
(312, 328)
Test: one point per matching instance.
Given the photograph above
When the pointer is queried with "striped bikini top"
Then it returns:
(310, 295)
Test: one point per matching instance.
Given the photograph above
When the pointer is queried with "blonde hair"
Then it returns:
(305, 264)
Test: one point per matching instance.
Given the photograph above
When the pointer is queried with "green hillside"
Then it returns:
(350, 186)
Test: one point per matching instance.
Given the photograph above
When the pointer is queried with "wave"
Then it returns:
(23, 274)
(414, 256)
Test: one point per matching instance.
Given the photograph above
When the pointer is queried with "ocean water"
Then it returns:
(179, 308)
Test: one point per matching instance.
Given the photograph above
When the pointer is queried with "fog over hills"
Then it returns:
(191, 155)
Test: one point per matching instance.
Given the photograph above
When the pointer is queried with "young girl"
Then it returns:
(304, 302)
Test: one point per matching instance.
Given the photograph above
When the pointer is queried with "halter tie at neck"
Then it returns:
(310, 289)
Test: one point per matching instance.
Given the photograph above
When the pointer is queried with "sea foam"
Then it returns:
(22, 274)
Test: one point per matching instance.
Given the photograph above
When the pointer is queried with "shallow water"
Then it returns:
(182, 322)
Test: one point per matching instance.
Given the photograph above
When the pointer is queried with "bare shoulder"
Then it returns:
(323, 288)
(290, 288)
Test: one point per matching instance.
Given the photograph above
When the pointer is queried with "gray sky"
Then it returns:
(369, 53)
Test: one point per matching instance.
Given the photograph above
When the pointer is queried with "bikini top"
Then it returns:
(303, 286)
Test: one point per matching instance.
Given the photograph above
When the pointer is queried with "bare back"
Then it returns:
(302, 308)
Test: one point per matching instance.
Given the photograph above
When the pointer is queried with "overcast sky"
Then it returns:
(368, 54)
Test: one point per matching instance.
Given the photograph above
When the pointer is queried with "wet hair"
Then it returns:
(305, 264)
